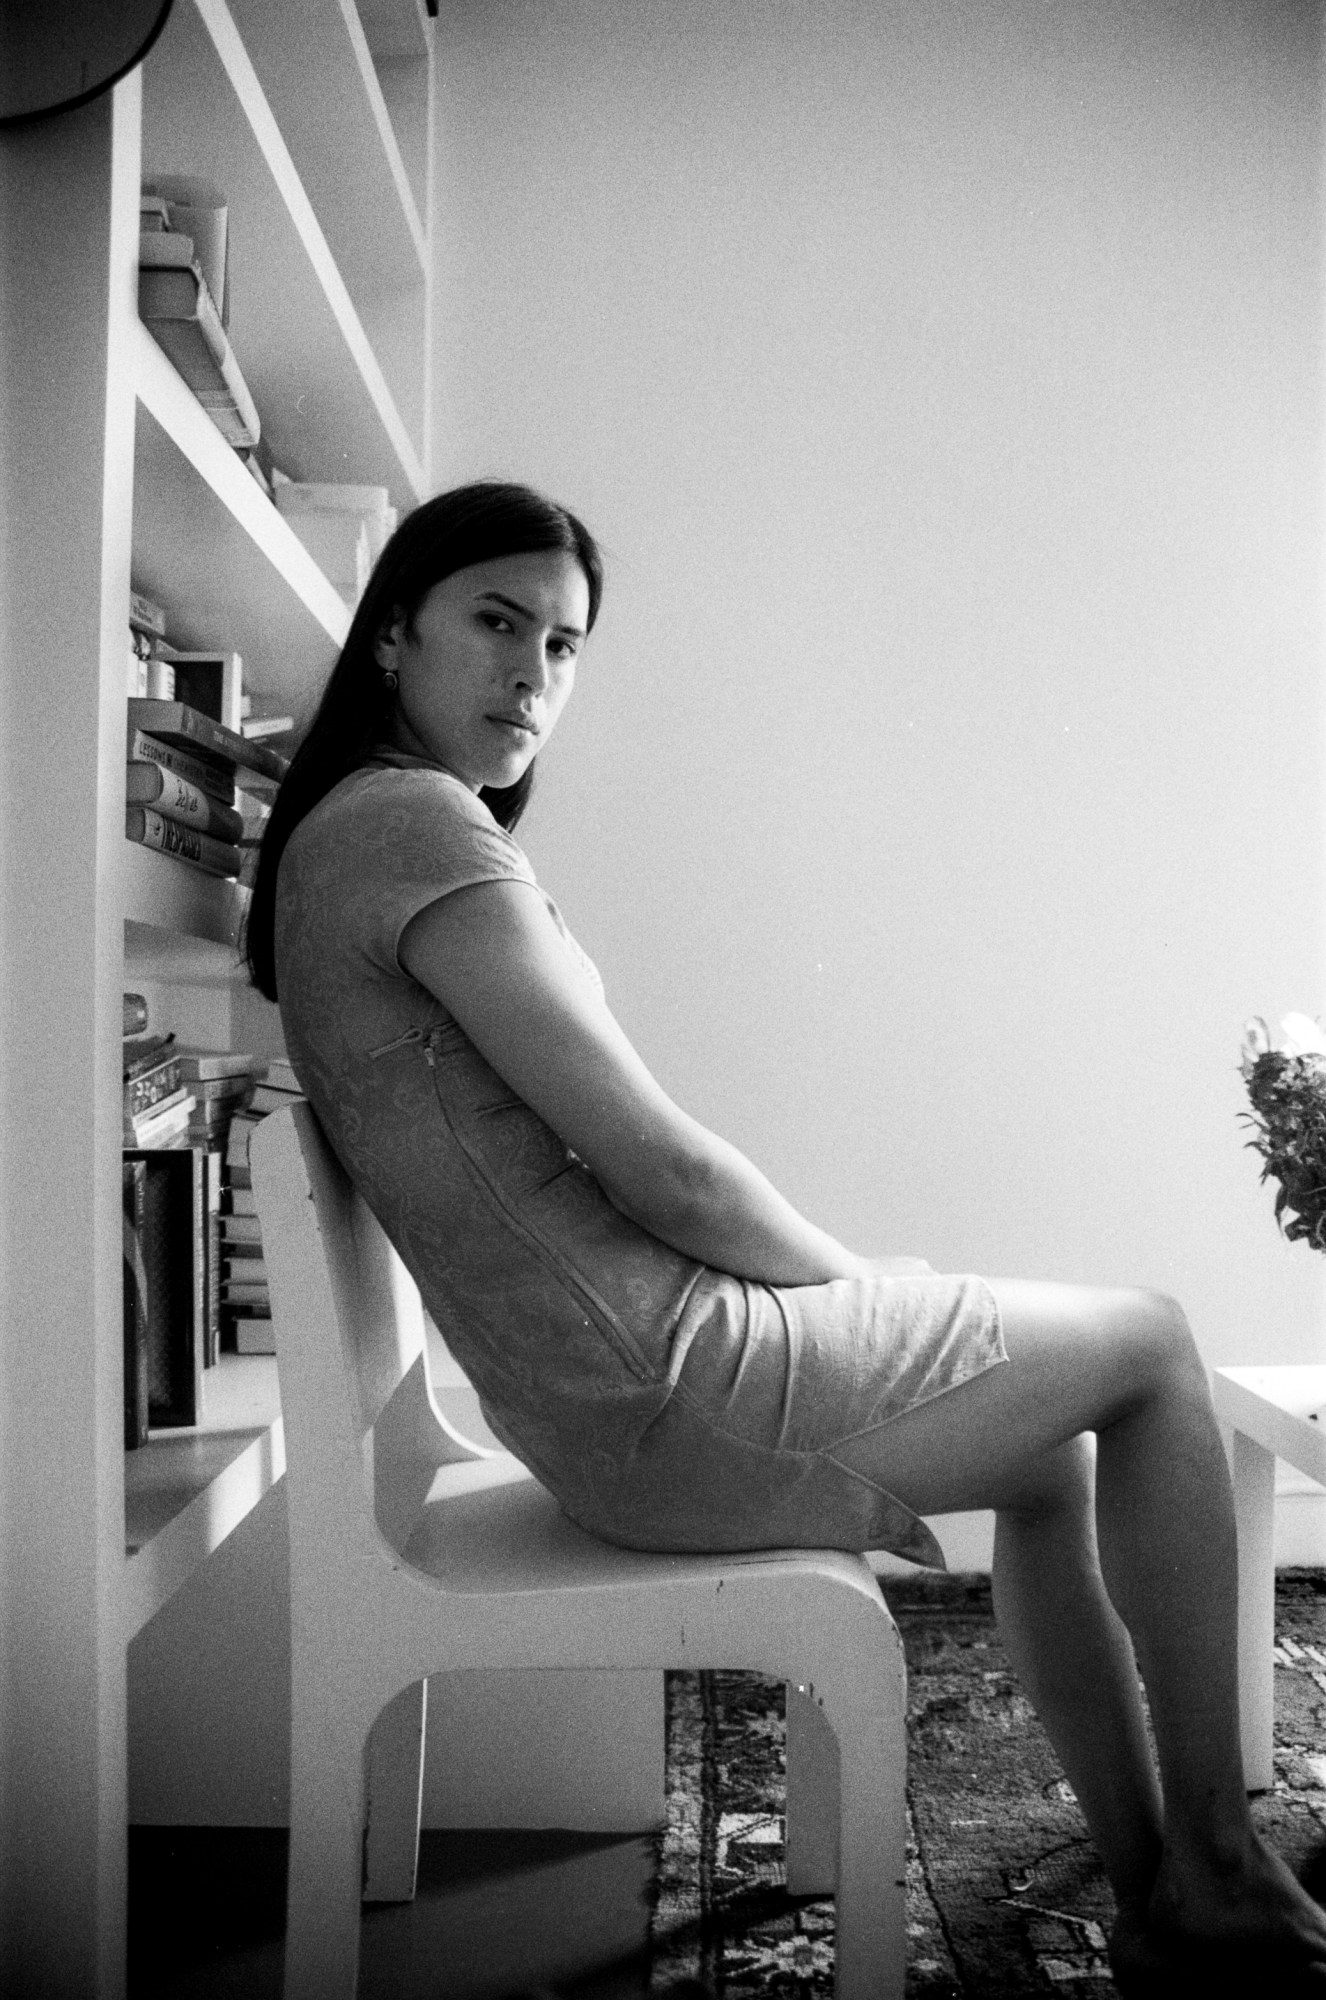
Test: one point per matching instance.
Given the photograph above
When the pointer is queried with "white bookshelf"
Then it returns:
(259, 584)
(187, 1489)
(327, 409)
(315, 117)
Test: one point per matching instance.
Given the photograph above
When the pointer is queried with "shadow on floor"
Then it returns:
(497, 1914)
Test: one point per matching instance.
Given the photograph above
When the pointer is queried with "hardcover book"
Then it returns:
(173, 1242)
(207, 1065)
(164, 1125)
(136, 1335)
(177, 798)
(144, 1054)
(217, 782)
(212, 1174)
(223, 1090)
(177, 308)
(145, 616)
(151, 1086)
(241, 1228)
(150, 828)
(176, 722)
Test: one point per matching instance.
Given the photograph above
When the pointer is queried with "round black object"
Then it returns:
(55, 54)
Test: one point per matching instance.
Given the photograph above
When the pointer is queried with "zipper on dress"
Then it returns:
(410, 1036)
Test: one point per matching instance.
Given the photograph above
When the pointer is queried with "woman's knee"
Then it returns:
(1155, 1330)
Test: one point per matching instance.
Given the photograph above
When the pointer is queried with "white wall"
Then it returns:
(943, 788)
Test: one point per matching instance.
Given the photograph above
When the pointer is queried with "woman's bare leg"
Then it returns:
(1121, 1364)
(1068, 1646)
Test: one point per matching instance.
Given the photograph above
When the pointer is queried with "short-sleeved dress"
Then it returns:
(665, 1404)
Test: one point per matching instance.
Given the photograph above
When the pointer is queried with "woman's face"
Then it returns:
(489, 665)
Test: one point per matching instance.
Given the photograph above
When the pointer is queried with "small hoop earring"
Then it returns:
(391, 681)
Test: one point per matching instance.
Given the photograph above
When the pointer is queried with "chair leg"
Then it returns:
(813, 1798)
(1254, 1508)
(325, 1874)
(870, 1913)
(395, 1793)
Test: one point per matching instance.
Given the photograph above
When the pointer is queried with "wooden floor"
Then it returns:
(497, 1915)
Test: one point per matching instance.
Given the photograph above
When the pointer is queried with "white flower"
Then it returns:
(1299, 1036)
(1302, 1037)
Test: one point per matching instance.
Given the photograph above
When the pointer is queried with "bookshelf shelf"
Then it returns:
(258, 591)
(154, 951)
(167, 895)
(396, 30)
(278, 40)
(186, 1490)
(385, 270)
(326, 407)
(398, 34)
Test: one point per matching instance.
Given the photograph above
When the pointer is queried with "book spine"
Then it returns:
(212, 1089)
(177, 799)
(178, 311)
(167, 836)
(215, 1170)
(177, 722)
(217, 784)
(171, 1249)
(142, 1092)
(245, 1272)
(156, 1128)
(202, 1269)
(145, 616)
(140, 1057)
(242, 1222)
(136, 1336)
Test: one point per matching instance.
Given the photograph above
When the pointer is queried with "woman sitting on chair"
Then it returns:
(678, 1355)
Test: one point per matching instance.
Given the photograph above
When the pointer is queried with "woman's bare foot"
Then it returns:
(1232, 1927)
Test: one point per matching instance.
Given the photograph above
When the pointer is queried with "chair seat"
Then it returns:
(488, 1527)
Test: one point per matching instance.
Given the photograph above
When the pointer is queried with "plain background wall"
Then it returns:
(943, 788)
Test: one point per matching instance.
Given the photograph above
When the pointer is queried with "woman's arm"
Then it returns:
(494, 958)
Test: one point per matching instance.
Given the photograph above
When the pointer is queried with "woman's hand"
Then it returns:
(495, 959)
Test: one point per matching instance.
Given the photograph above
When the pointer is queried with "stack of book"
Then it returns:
(222, 1083)
(181, 795)
(157, 1102)
(178, 306)
(175, 1187)
(167, 1240)
(246, 1313)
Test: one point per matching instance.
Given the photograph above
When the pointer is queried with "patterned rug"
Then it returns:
(1004, 1894)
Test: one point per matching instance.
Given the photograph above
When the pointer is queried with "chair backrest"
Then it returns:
(348, 1318)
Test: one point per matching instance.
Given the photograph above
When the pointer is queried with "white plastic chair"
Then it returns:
(410, 1555)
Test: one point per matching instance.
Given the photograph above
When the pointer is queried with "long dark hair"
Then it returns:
(471, 524)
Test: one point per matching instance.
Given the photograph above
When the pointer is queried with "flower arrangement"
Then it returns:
(1287, 1090)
